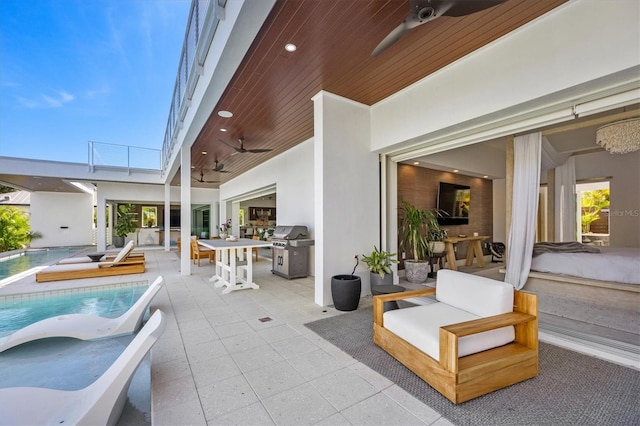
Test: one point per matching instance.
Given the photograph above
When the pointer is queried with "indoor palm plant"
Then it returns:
(415, 224)
(379, 263)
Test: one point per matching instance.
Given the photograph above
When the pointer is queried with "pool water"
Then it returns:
(20, 262)
(71, 364)
(21, 310)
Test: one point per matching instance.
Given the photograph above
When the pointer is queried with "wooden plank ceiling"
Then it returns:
(270, 94)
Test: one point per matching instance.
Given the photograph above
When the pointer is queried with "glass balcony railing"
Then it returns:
(201, 27)
(202, 24)
(130, 157)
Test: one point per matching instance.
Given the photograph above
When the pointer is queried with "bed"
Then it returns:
(621, 265)
(599, 288)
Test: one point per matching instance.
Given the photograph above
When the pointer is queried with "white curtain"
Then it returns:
(526, 182)
(565, 200)
(550, 158)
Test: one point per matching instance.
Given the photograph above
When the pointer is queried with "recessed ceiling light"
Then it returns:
(290, 47)
(204, 152)
(416, 162)
(225, 114)
(456, 171)
(485, 176)
(223, 130)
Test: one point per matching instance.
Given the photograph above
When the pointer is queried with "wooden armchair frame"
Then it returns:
(462, 379)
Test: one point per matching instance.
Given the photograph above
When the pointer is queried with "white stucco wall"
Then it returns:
(138, 193)
(51, 212)
(579, 42)
(624, 170)
(347, 191)
(292, 174)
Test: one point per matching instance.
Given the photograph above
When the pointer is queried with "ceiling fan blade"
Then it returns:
(229, 145)
(396, 34)
(467, 7)
(255, 151)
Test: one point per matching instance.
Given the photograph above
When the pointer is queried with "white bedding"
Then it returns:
(611, 264)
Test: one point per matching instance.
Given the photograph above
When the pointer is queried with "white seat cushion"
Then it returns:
(420, 326)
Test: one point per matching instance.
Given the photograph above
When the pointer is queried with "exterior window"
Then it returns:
(593, 212)
(149, 216)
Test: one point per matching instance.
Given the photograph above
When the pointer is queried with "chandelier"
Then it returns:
(620, 137)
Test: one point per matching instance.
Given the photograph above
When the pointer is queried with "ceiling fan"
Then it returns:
(218, 167)
(241, 149)
(423, 11)
(201, 180)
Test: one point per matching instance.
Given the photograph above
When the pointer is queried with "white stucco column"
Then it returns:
(185, 210)
(101, 222)
(167, 217)
(214, 216)
(346, 191)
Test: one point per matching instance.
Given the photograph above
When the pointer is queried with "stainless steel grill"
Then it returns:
(291, 251)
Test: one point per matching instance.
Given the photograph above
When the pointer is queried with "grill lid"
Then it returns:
(284, 232)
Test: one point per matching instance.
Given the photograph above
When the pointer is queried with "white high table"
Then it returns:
(226, 267)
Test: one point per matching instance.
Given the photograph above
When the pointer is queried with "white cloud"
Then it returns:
(66, 96)
(94, 93)
(45, 101)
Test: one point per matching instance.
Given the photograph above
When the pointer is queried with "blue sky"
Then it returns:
(74, 71)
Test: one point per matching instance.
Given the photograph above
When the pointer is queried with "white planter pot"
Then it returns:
(437, 246)
(416, 272)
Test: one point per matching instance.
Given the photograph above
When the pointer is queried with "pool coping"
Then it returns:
(70, 290)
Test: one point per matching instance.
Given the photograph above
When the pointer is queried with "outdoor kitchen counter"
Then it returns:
(229, 272)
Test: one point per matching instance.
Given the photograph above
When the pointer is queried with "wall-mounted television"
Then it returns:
(174, 218)
(453, 201)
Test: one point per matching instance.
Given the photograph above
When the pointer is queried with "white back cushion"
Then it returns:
(124, 252)
(479, 295)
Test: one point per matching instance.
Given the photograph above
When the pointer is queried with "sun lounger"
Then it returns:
(100, 403)
(85, 326)
(73, 271)
(69, 271)
(124, 254)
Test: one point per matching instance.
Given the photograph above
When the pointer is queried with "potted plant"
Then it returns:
(345, 290)
(126, 223)
(225, 229)
(415, 224)
(379, 264)
(436, 237)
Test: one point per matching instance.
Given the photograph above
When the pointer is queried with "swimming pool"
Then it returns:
(23, 261)
(18, 311)
(71, 364)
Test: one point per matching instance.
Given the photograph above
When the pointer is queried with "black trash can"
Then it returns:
(345, 290)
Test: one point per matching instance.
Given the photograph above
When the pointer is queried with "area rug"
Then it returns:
(571, 389)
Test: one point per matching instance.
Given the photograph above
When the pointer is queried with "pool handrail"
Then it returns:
(86, 326)
(100, 403)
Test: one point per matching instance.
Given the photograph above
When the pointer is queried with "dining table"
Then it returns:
(233, 268)
(474, 251)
